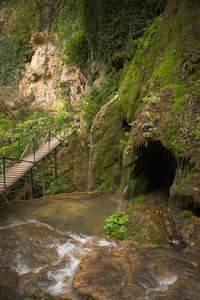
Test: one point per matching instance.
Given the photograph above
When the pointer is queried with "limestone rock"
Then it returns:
(45, 75)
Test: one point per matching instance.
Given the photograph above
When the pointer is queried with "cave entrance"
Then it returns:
(158, 166)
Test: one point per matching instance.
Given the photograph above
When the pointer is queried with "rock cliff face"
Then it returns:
(148, 137)
(46, 74)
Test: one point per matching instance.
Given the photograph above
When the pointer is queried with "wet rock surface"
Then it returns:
(130, 272)
(34, 257)
(151, 222)
(29, 257)
(190, 230)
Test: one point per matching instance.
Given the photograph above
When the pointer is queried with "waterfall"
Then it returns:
(90, 165)
(125, 194)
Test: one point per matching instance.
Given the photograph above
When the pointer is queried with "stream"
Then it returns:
(54, 244)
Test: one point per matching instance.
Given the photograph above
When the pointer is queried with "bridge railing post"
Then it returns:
(55, 166)
(49, 139)
(4, 173)
(34, 150)
(60, 132)
(43, 176)
(35, 133)
(19, 150)
(31, 181)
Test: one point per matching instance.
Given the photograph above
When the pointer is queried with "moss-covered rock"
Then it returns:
(159, 96)
(108, 135)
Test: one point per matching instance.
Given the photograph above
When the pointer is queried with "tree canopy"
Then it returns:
(87, 29)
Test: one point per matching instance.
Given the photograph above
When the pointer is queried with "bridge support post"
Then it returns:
(35, 139)
(19, 149)
(49, 139)
(43, 176)
(55, 166)
(34, 150)
(4, 174)
(31, 180)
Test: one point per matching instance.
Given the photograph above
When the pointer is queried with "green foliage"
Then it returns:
(15, 38)
(151, 98)
(81, 116)
(112, 27)
(23, 20)
(71, 35)
(11, 59)
(149, 129)
(21, 122)
(115, 225)
(197, 130)
(53, 189)
(97, 97)
(76, 49)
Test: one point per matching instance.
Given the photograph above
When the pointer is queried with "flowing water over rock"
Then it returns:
(130, 272)
(43, 240)
(54, 244)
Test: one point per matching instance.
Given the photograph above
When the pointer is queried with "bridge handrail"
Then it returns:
(20, 137)
(58, 128)
(28, 143)
(21, 146)
(48, 135)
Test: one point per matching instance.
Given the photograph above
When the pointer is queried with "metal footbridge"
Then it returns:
(23, 153)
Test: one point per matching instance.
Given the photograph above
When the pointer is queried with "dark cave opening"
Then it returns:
(158, 165)
(126, 126)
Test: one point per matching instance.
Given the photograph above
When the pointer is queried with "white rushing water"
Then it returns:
(162, 288)
(71, 251)
(56, 259)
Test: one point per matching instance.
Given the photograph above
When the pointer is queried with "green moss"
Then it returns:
(110, 182)
(107, 140)
(182, 188)
(156, 241)
(165, 69)
(137, 199)
(186, 214)
(138, 185)
(124, 183)
(146, 233)
(138, 225)
(178, 97)
(155, 90)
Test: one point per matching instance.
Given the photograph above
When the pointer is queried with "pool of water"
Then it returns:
(79, 213)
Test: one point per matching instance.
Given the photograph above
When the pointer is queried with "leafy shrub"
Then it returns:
(115, 225)
(197, 131)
